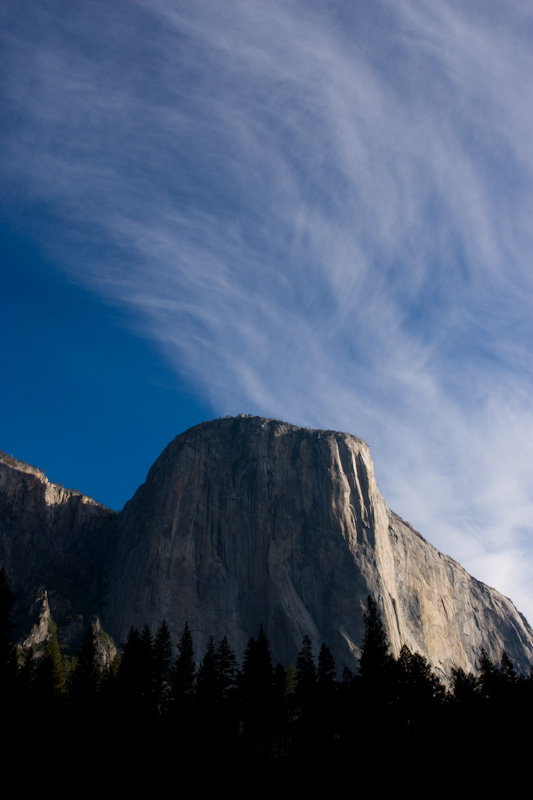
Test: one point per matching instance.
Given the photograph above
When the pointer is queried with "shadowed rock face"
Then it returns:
(245, 521)
(52, 538)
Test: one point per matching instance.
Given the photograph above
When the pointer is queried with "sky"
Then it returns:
(317, 211)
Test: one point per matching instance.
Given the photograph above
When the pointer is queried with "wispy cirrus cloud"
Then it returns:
(320, 212)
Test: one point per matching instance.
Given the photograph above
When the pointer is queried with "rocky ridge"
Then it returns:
(243, 521)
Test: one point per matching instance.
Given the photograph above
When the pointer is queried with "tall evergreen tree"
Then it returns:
(489, 679)
(305, 665)
(327, 693)
(289, 699)
(306, 675)
(257, 670)
(207, 682)
(257, 686)
(375, 662)
(326, 672)
(50, 678)
(374, 685)
(279, 691)
(129, 678)
(507, 669)
(465, 697)
(147, 661)
(227, 668)
(130, 654)
(419, 689)
(87, 674)
(183, 674)
(162, 664)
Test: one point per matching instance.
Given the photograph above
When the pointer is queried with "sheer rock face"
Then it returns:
(245, 521)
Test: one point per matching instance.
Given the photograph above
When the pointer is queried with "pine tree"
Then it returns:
(305, 665)
(306, 674)
(327, 693)
(147, 662)
(326, 669)
(227, 668)
(136, 676)
(87, 673)
(418, 688)
(489, 679)
(184, 671)
(375, 682)
(162, 664)
(288, 701)
(465, 691)
(130, 669)
(207, 683)
(257, 670)
(375, 662)
(507, 669)
(50, 678)
(257, 686)
(279, 692)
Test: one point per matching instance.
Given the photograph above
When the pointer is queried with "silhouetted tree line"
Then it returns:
(156, 712)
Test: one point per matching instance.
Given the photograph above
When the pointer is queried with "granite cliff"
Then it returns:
(249, 520)
(246, 520)
(54, 542)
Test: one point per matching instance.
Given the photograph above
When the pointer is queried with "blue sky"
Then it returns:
(314, 211)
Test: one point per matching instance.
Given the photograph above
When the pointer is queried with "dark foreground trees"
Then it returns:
(297, 726)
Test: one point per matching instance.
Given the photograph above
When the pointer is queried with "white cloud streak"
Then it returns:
(320, 212)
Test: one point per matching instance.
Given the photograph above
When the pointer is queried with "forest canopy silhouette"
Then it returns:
(296, 723)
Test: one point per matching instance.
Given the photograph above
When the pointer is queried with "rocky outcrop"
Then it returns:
(245, 520)
(52, 539)
(40, 629)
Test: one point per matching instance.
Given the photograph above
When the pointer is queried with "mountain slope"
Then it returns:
(246, 520)
(54, 538)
